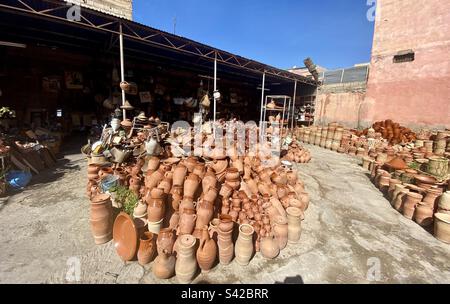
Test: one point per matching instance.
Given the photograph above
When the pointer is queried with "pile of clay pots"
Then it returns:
(297, 153)
(391, 131)
(195, 211)
(418, 196)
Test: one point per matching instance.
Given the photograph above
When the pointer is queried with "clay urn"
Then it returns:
(140, 211)
(187, 221)
(164, 265)
(278, 178)
(442, 227)
(244, 245)
(208, 181)
(410, 203)
(205, 210)
(294, 219)
(207, 251)
(165, 240)
(147, 248)
(186, 263)
(153, 163)
(186, 203)
(280, 230)
(226, 191)
(431, 197)
(176, 195)
(190, 163)
(220, 166)
(101, 218)
(269, 247)
(423, 214)
(191, 184)
(156, 205)
(224, 239)
(165, 185)
(153, 180)
(179, 174)
(292, 177)
(211, 194)
(174, 220)
(199, 170)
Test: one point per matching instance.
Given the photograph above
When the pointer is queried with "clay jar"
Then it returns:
(156, 205)
(396, 191)
(147, 248)
(280, 230)
(409, 205)
(226, 191)
(279, 178)
(208, 181)
(211, 194)
(244, 245)
(207, 251)
(401, 196)
(191, 184)
(431, 197)
(205, 210)
(176, 195)
(186, 203)
(187, 222)
(190, 163)
(153, 180)
(165, 185)
(232, 174)
(199, 170)
(165, 240)
(442, 227)
(423, 214)
(294, 219)
(186, 264)
(93, 172)
(164, 265)
(101, 218)
(269, 247)
(153, 163)
(179, 174)
(292, 177)
(224, 239)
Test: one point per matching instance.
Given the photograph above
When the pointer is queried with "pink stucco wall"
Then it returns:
(413, 93)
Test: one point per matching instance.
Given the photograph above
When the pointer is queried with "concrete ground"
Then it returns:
(351, 234)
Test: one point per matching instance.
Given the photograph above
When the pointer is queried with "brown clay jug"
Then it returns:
(191, 184)
(165, 240)
(187, 222)
(179, 174)
(147, 248)
(269, 247)
(207, 251)
(205, 210)
(280, 230)
(164, 265)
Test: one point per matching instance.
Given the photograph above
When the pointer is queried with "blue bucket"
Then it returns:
(18, 179)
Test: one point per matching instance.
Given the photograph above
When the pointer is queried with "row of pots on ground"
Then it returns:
(425, 202)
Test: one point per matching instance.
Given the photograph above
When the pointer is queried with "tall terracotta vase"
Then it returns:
(423, 214)
(164, 265)
(244, 245)
(409, 205)
(101, 218)
(179, 174)
(147, 248)
(294, 218)
(186, 264)
(156, 205)
(205, 211)
(207, 251)
(187, 221)
(225, 242)
(165, 240)
(191, 184)
(280, 230)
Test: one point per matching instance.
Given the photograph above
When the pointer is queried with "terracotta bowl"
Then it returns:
(125, 237)
(425, 179)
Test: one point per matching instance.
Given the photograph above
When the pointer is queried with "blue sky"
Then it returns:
(335, 33)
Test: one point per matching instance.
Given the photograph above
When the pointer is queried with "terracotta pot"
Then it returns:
(190, 163)
(166, 240)
(153, 180)
(153, 163)
(225, 243)
(104, 171)
(269, 247)
(205, 210)
(191, 184)
(444, 202)
(235, 185)
(164, 266)
(292, 177)
(147, 248)
(165, 185)
(263, 188)
(225, 191)
(186, 203)
(93, 171)
(140, 211)
(401, 197)
(220, 166)
(199, 170)
(101, 218)
(179, 174)
(392, 183)
(156, 206)
(186, 264)
(252, 185)
(244, 245)
(294, 218)
(280, 230)
(442, 227)
(207, 251)
(277, 204)
(208, 181)
(397, 189)
(211, 195)
(431, 197)
(174, 220)
(410, 203)
(423, 214)
(154, 227)
(187, 222)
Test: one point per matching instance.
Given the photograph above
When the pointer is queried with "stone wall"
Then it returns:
(413, 93)
(119, 8)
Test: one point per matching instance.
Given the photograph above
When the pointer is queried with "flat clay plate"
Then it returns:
(125, 237)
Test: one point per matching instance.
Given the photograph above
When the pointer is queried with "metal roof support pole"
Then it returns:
(262, 102)
(215, 87)
(293, 104)
(122, 68)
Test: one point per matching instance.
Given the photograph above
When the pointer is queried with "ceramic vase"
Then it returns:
(186, 263)
(147, 248)
(207, 251)
(244, 245)
(294, 218)
(101, 218)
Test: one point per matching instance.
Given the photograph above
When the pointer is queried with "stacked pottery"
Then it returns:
(186, 263)
(207, 251)
(155, 209)
(244, 244)
(101, 218)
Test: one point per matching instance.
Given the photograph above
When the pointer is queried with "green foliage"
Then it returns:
(127, 198)
(414, 165)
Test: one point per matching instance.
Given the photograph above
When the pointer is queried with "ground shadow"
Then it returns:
(292, 280)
